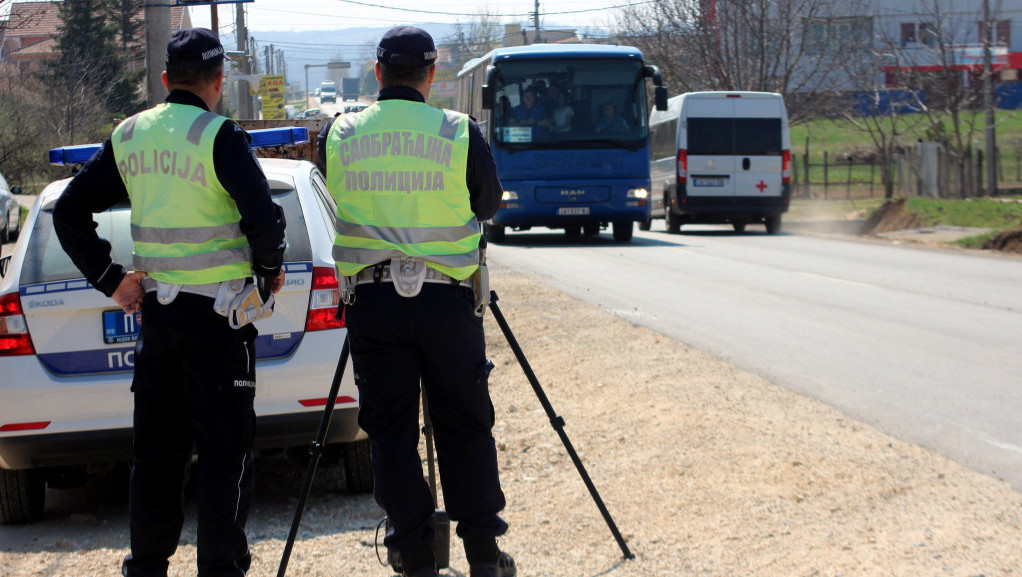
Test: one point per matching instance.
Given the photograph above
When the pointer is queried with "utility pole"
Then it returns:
(214, 21)
(535, 24)
(157, 35)
(244, 101)
(988, 101)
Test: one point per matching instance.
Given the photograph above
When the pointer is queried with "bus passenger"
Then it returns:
(562, 115)
(609, 120)
(530, 112)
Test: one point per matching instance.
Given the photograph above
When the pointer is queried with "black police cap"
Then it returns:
(194, 49)
(406, 46)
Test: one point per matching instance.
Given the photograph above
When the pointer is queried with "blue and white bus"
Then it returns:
(568, 126)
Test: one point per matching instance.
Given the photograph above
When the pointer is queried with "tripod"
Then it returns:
(556, 421)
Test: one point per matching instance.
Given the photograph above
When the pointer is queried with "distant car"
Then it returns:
(355, 107)
(314, 113)
(10, 212)
(327, 92)
(67, 351)
(291, 112)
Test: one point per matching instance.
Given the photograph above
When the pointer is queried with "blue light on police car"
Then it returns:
(79, 154)
(263, 138)
(267, 137)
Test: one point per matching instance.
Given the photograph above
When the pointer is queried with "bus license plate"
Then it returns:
(572, 210)
(707, 182)
(120, 327)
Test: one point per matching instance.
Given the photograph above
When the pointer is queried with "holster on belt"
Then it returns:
(247, 304)
(481, 282)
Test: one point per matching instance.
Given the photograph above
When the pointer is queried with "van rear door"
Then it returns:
(758, 146)
(709, 127)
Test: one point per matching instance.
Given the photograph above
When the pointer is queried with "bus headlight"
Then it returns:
(509, 195)
(640, 193)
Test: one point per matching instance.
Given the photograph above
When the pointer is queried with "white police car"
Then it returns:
(66, 349)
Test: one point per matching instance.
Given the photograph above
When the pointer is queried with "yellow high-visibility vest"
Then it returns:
(184, 223)
(397, 173)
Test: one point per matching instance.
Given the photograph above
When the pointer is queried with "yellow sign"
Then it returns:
(271, 88)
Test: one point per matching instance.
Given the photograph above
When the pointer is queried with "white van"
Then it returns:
(720, 157)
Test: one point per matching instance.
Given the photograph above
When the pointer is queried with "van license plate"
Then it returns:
(572, 210)
(120, 327)
(707, 182)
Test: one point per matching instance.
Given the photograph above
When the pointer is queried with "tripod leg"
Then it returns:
(557, 423)
(316, 450)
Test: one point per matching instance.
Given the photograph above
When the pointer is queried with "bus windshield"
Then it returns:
(569, 103)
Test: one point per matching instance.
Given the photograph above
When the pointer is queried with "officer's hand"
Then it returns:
(277, 282)
(130, 292)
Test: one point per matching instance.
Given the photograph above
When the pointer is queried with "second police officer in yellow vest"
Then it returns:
(203, 227)
(411, 184)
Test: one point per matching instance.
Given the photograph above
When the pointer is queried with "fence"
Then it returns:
(928, 169)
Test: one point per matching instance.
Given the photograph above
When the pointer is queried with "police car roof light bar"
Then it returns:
(263, 138)
(268, 137)
(79, 154)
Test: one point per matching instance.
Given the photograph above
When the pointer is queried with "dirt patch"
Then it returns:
(1007, 241)
(891, 216)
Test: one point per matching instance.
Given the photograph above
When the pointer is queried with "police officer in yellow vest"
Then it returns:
(209, 247)
(411, 184)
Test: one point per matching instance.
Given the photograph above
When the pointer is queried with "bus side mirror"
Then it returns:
(491, 81)
(487, 97)
(660, 97)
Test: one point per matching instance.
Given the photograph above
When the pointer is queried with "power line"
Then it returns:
(515, 15)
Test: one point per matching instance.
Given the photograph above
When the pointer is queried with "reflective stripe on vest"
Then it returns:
(397, 173)
(184, 223)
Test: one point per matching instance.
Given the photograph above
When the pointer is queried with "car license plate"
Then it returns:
(707, 182)
(572, 210)
(120, 327)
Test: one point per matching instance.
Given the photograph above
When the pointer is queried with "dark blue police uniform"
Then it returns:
(434, 337)
(188, 359)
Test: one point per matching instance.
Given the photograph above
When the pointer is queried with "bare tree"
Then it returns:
(475, 37)
(785, 46)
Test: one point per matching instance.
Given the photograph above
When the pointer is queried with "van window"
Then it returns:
(757, 136)
(711, 136)
(734, 136)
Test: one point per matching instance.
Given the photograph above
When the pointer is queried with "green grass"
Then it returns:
(840, 137)
(972, 212)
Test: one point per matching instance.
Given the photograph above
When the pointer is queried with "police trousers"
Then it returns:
(434, 338)
(194, 387)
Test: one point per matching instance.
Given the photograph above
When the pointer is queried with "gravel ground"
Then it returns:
(707, 470)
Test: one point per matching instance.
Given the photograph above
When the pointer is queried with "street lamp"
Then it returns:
(329, 66)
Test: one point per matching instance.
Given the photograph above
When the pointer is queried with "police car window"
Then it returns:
(299, 248)
(327, 206)
(45, 259)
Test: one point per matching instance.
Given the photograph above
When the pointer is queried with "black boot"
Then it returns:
(503, 566)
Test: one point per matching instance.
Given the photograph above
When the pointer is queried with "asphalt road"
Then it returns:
(924, 344)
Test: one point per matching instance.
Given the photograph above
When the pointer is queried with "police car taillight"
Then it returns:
(326, 296)
(14, 338)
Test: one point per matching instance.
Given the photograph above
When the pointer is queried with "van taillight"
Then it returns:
(682, 166)
(786, 167)
(14, 338)
(326, 295)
